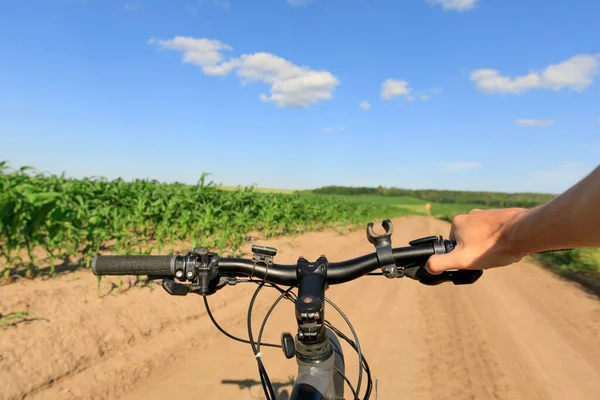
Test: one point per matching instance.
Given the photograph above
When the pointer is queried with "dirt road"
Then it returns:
(519, 333)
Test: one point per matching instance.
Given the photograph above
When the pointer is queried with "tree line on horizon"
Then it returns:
(490, 199)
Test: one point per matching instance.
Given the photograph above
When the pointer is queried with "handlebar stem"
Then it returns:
(312, 279)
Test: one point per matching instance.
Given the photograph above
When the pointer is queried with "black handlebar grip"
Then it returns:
(134, 265)
(461, 277)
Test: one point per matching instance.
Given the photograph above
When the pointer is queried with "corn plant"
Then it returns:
(81, 218)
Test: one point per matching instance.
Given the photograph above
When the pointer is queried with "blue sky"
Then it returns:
(450, 94)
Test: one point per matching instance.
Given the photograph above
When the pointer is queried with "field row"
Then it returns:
(69, 218)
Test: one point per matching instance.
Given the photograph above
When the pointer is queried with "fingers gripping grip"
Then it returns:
(419, 272)
(134, 265)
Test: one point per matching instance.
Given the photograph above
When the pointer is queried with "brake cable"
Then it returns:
(264, 377)
(331, 303)
(237, 339)
(365, 363)
(356, 348)
(264, 323)
(224, 332)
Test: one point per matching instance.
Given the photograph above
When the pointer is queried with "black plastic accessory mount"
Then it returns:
(383, 247)
(263, 255)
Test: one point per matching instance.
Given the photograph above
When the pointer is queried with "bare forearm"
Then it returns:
(571, 220)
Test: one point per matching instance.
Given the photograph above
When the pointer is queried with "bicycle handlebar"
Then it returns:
(337, 272)
(412, 258)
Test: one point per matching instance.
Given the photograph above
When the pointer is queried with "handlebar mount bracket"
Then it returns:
(383, 247)
(262, 255)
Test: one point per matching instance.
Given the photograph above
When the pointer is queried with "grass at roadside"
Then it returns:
(412, 206)
(448, 211)
(579, 265)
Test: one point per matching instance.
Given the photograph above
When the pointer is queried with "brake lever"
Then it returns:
(180, 289)
(461, 277)
(174, 288)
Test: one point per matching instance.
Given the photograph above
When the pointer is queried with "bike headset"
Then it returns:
(209, 273)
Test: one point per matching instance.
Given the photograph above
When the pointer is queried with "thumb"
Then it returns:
(438, 263)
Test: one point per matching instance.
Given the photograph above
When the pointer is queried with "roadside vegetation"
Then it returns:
(50, 223)
(51, 220)
(579, 265)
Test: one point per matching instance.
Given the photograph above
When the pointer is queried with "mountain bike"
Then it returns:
(316, 347)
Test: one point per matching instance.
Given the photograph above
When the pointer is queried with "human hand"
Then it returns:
(482, 241)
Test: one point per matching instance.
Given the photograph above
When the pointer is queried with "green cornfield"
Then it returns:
(49, 220)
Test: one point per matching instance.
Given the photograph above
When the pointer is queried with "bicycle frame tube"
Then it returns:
(319, 380)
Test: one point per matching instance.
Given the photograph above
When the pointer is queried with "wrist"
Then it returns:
(514, 233)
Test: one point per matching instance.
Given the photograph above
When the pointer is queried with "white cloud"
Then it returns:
(365, 105)
(291, 85)
(223, 68)
(298, 2)
(535, 122)
(460, 5)
(392, 88)
(576, 73)
(457, 166)
(205, 53)
(333, 129)
(561, 177)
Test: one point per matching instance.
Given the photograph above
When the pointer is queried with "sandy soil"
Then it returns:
(518, 333)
